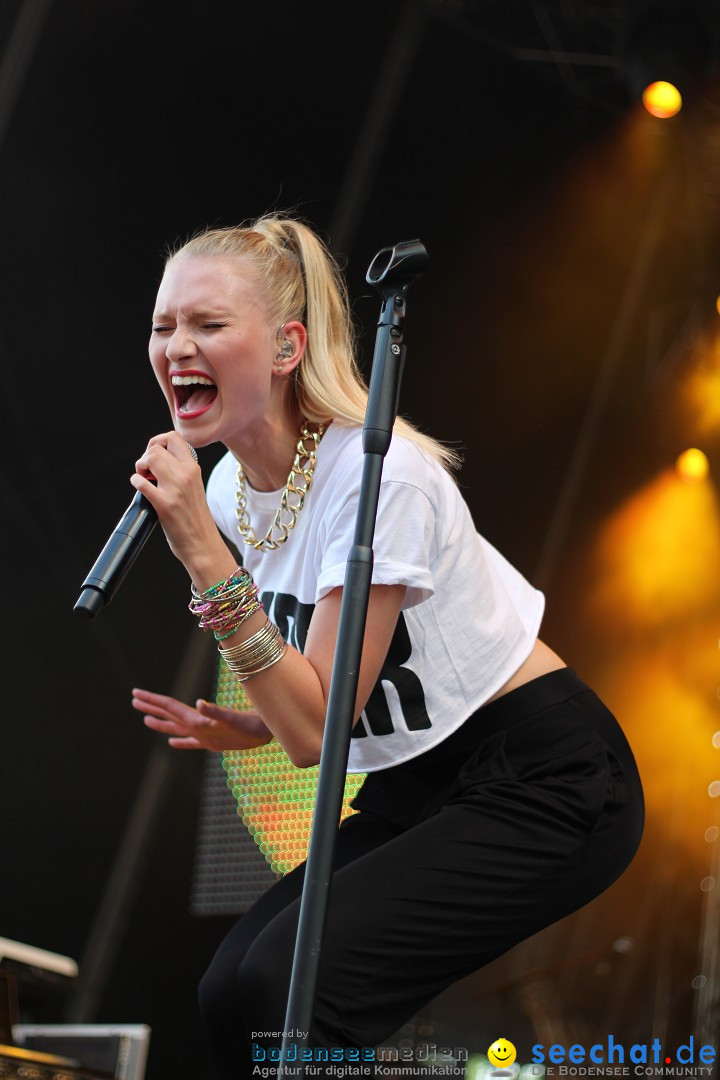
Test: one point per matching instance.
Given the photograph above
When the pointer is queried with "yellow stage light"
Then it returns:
(654, 590)
(662, 99)
(692, 465)
(659, 557)
(701, 387)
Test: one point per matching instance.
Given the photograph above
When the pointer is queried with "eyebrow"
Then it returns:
(192, 313)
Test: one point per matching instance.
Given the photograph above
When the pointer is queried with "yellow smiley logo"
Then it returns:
(502, 1053)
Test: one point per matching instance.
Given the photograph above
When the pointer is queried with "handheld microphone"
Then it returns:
(120, 552)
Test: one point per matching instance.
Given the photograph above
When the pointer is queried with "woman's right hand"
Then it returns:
(169, 477)
(205, 727)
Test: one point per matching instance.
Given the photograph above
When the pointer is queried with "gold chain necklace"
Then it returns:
(297, 487)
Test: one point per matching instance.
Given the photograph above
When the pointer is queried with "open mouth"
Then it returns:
(194, 393)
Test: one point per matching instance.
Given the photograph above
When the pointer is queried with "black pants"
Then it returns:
(528, 811)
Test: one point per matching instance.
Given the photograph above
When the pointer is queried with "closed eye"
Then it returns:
(162, 328)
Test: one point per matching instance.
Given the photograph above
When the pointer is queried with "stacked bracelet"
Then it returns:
(258, 653)
(224, 607)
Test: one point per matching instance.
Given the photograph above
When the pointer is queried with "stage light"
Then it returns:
(652, 602)
(662, 99)
(659, 556)
(692, 465)
(701, 386)
(670, 49)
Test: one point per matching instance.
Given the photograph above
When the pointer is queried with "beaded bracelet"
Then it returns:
(258, 653)
(226, 605)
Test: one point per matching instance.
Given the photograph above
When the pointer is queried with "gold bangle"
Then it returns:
(256, 654)
(256, 642)
(273, 660)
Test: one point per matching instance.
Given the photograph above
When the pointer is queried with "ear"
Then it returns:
(291, 343)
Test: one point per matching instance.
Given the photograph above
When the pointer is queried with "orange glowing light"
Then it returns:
(662, 99)
(658, 557)
(692, 465)
(653, 590)
(701, 389)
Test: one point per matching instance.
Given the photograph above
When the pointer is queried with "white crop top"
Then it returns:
(469, 620)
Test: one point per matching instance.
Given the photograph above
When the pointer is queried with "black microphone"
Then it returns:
(122, 549)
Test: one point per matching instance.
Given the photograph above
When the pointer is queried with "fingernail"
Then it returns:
(199, 703)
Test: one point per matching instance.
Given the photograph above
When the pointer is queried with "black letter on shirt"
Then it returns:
(290, 616)
(408, 686)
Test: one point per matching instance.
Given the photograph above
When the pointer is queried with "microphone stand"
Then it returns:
(392, 272)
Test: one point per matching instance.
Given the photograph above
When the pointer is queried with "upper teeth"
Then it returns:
(191, 380)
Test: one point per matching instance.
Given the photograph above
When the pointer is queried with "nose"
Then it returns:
(181, 345)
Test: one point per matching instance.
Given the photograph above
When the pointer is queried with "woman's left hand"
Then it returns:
(205, 727)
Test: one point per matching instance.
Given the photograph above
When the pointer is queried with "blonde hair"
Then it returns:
(301, 280)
